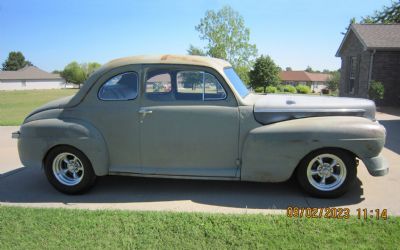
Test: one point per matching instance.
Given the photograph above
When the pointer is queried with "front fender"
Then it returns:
(272, 152)
(39, 136)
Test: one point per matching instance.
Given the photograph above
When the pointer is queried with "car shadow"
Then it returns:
(393, 134)
(30, 186)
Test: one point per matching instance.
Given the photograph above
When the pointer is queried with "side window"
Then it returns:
(158, 83)
(198, 85)
(120, 87)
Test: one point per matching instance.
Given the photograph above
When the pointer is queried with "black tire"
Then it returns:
(350, 165)
(84, 182)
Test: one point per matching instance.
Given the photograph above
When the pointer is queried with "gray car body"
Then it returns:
(238, 138)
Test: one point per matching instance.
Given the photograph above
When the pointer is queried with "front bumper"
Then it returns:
(376, 166)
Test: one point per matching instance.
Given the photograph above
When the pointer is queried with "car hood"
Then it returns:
(275, 108)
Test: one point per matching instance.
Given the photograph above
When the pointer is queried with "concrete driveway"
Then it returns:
(29, 187)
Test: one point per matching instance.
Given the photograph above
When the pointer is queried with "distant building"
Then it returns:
(371, 52)
(30, 77)
(316, 81)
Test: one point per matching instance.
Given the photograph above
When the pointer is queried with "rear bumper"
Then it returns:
(377, 166)
(15, 135)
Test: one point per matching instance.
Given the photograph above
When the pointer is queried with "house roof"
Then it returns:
(28, 73)
(303, 76)
(375, 36)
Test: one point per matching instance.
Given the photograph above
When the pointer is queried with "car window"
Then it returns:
(158, 83)
(236, 82)
(120, 87)
(198, 85)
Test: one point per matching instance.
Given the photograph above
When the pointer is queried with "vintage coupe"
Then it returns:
(192, 117)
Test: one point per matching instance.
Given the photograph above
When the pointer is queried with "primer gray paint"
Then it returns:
(257, 138)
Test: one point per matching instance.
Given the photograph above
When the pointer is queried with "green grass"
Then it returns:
(30, 228)
(16, 105)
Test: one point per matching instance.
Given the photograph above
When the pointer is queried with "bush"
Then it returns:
(289, 89)
(281, 88)
(303, 89)
(271, 89)
(376, 90)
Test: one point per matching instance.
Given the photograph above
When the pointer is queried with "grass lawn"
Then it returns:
(16, 105)
(31, 228)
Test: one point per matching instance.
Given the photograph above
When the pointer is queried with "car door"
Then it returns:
(112, 106)
(189, 123)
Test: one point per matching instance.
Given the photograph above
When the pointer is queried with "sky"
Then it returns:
(52, 33)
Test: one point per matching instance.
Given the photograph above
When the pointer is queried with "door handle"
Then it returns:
(145, 111)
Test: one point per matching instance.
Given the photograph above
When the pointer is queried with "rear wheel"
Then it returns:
(327, 173)
(69, 170)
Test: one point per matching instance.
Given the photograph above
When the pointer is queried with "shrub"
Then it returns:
(259, 89)
(271, 89)
(289, 89)
(281, 88)
(303, 89)
(376, 90)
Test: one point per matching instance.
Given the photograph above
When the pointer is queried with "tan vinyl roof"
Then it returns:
(28, 73)
(170, 59)
(303, 76)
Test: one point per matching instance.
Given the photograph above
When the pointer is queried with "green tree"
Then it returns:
(78, 73)
(309, 69)
(288, 69)
(228, 38)
(265, 73)
(388, 15)
(15, 61)
(74, 73)
(89, 68)
(333, 81)
(195, 51)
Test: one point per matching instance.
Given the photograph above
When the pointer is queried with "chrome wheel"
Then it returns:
(68, 169)
(326, 172)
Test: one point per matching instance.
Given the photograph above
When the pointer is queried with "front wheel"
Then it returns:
(327, 173)
(69, 170)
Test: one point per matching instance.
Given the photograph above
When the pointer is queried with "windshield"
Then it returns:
(236, 82)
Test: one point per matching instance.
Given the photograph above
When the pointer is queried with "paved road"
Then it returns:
(28, 187)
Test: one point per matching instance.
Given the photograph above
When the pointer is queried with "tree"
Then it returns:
(309, 69)
(74, 73)
(265, 73)
(333, 81)
(79, 73)
(228, 38)
(195, 51)
(15, 61)
(288, 69)
(388, 15)
(89, 68)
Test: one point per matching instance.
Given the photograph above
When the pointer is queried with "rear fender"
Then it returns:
(39, 136)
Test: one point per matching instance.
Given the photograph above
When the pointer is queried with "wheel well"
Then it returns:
(325, 148)
(57, 146)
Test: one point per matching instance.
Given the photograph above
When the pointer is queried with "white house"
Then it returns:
(30, 77)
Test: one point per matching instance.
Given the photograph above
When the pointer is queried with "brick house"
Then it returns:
(371, 52)
(316, 81)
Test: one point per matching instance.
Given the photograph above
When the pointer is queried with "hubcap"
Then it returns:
(326, 172)
(68, 169)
